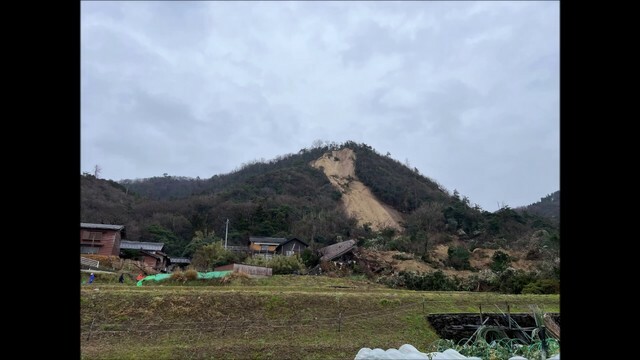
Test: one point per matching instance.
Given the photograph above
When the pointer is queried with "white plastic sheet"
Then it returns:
(408, 351)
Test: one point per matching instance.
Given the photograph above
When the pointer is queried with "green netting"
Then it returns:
(201, 275)
(213, 274)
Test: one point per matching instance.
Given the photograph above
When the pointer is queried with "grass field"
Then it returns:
(282, 317)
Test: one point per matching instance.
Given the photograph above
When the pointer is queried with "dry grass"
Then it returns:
(282, 317)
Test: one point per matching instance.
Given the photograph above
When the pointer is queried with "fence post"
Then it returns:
(339, 321)
(480, 306)
(423, 300)
(543, 339)
(509, 314)
(90, 329)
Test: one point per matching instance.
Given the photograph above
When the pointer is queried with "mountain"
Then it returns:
(321, 195)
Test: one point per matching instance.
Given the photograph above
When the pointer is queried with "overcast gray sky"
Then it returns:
(467, 92)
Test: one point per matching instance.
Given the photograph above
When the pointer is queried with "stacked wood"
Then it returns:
(552, 327)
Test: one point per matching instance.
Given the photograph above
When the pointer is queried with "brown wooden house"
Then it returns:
(293, 246)
(264, 246)
(100, 239)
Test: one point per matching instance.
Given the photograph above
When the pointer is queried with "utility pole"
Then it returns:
(226, 233)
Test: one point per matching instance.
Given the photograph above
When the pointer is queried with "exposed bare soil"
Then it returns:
(357, 199)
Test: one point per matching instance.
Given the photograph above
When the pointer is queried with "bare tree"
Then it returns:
(97, 170)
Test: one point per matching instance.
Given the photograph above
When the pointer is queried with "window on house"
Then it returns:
(264, 248)
(91, 235)
(89, 249)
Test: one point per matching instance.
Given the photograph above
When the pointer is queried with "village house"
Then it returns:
(293, 246)
(101, 239)
(150, 253)
(264, 246)
(341, 252)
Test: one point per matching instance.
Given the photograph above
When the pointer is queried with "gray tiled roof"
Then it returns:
(139, 245)
(293, 239)
(177, 260)
(333, 251)
(101, 226)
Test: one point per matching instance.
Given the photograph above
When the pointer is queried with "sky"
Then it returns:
(466, 92)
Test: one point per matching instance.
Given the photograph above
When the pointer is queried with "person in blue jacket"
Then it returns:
(91, 278)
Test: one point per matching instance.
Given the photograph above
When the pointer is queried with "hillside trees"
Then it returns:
(423, 223)
(200, 239)
(500, 261)
(393, 182)
(209, 256)
(459, 258)
(287, 197)
(173, 244)
(459, 215)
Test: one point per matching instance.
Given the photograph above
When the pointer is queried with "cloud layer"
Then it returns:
(467, 92)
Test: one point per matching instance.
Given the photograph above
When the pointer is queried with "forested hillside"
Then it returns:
(548, 206)
(286, 197)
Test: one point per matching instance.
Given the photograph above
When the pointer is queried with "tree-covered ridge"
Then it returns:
(393, 182)
(548, 206)
(173, 187)
(287, 197)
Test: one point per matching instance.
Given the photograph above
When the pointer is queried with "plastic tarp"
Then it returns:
(407, 351)
(201, 275)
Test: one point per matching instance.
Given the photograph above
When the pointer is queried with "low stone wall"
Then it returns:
(452, 326)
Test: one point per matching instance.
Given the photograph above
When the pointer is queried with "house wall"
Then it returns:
(115, 250)
(258, 248)
(252, 270)
(150, 261)
(224, 267)
(109, 241)
(246, 269)
(297, 249)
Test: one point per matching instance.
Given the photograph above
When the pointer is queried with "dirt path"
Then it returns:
(339, 166)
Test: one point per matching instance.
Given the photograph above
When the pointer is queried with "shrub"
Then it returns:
(433, 281)
(191, 274)
(542, 286)
(278, 263)
(209, 256)
(459, 258)
(513, 281)
(501, 261)
(178, 275)
(310, 258)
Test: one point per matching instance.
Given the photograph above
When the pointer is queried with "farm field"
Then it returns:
(281, 317)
